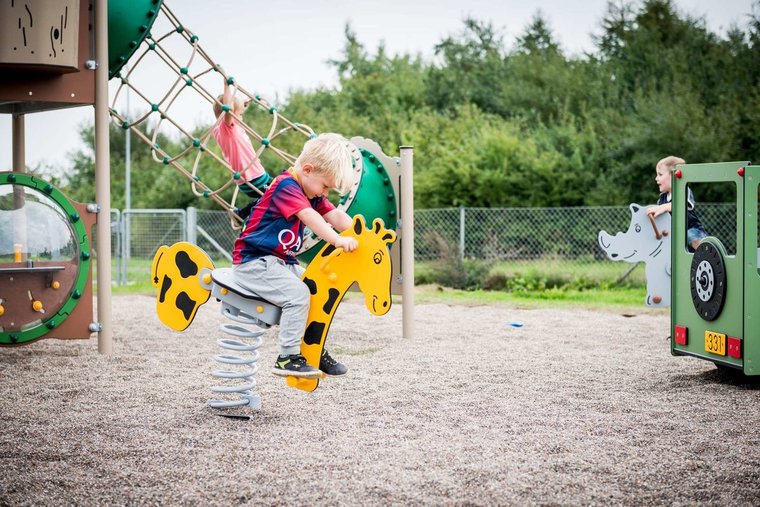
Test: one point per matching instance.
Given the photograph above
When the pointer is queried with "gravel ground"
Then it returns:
(574, 408)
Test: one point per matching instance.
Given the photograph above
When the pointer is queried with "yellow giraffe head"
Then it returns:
(369, 265)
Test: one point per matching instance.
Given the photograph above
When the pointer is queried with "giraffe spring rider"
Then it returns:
(185, 278)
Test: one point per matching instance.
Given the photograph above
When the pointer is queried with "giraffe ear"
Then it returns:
(358, 224)
(378, 225)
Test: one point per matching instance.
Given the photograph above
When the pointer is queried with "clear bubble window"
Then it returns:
(33, 227)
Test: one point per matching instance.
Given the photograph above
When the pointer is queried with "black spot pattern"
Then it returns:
(185, 304)
(332, 300)
(313, 333)
(164, 288)
(311, 284)
(186, 265)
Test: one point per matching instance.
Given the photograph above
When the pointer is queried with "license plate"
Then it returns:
(715, 343)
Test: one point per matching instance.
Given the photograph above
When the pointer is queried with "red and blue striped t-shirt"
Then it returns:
(273, 227)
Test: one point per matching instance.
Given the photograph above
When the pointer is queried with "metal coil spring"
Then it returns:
(253, 401)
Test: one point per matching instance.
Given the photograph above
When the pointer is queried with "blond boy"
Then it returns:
(695, 231)
(264, 255)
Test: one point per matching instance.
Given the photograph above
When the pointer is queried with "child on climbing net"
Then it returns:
(236, 146)
(695, 231)
(264, 255)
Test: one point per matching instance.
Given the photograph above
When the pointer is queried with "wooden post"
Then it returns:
(407, 240)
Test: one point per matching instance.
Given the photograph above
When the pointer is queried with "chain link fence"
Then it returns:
(528, 234)
(141, 233)
(565, 238)
(215, 235)
(720, 221)
(508, 234)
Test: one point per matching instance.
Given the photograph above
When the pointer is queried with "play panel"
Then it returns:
(45, 260)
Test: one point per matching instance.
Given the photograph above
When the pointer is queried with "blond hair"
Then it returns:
(236, 107)
(331, 155)
(670, 162)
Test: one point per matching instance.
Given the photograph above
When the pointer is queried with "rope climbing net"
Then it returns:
(187, 77)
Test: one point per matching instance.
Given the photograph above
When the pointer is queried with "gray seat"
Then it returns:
(240, 304)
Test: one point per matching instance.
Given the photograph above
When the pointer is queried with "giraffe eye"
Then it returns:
(378, 257)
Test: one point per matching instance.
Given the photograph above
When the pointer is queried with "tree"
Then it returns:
(526, 126)
(470, 71)
(538, 39)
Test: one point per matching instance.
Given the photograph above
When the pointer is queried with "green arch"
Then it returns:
(129, 22)
(375, 198)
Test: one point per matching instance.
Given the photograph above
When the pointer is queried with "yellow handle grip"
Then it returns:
(330, 257)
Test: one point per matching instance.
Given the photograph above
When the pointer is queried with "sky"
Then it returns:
(274, 47)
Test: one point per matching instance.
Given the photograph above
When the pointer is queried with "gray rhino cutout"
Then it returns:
(640, 243)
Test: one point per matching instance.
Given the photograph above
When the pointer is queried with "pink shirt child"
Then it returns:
(237, 149)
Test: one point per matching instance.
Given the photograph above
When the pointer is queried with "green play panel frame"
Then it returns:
(80, 232)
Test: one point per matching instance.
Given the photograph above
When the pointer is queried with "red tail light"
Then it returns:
(734, 347)
(682, 334)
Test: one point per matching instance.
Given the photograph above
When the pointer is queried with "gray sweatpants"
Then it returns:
(279, 283)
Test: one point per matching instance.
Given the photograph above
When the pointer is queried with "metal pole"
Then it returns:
(407, 240)
(461, 233)
(19, 197)
(123, 246)
(191, 225)
(103, 179)
(127, 229)
(127, 155)
(19, 143)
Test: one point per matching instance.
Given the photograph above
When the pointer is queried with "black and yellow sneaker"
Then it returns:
(330, 366)
(294, 366)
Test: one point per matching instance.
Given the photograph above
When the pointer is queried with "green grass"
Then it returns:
(541, 283)
(593, 271)
(624, 299)
(532, 274)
